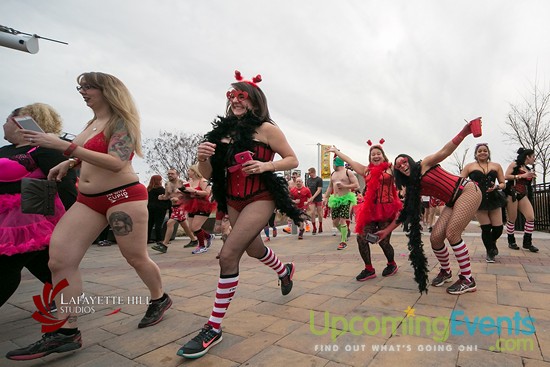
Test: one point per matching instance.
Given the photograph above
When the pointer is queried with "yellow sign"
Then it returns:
(325, 162)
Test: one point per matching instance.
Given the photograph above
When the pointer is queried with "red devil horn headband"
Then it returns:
(256, 79)
(369, 142)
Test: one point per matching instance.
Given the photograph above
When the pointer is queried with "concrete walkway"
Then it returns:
(329, 319)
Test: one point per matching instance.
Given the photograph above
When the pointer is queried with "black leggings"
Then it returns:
(11, 267)
(364, 245)
(156, 218)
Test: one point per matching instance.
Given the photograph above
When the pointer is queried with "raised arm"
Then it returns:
(357, 167)
(448, 149)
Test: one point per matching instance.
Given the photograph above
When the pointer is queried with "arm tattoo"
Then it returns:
(72, 319)
(121, 144)
(121, 223)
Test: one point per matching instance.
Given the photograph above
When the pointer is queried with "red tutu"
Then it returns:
(381, 202)
(196, 205)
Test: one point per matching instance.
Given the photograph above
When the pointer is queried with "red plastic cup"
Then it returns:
(475, 127)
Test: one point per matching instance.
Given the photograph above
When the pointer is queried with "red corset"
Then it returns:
(439, 183)
(239, 185)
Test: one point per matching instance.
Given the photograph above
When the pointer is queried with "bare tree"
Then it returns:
(171, 150)
(459, 161)
(529, 126)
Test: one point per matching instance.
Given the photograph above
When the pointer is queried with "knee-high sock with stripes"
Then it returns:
(227, 285)
(510, 227)
(442, 256)
(528, 227)
(271, 260)
(463, 257)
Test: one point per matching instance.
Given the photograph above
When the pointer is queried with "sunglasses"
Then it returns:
(239, 94)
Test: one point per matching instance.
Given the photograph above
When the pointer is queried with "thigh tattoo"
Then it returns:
(121, 223)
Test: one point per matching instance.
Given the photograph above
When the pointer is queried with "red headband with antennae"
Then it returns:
(256, 79)
(369, 142)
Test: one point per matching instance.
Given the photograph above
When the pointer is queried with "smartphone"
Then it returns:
(242, 157)
(27, 123)
(372, 238)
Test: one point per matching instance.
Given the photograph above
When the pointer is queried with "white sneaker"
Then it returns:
(209, 241)
(199, 250)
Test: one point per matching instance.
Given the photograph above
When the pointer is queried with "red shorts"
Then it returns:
(104, 200)
(178, 213)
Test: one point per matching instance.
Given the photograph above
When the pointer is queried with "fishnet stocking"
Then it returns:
(453, 220)
(245, 234)
(364, 245)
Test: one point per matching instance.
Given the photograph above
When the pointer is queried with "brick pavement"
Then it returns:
(264, 328)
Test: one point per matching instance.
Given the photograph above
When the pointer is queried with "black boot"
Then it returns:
(528, 244)
(512, 242)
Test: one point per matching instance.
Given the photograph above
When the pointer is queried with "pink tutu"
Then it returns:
(21, 233)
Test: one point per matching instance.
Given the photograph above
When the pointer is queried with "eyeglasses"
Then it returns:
(85, 87)
(239, 94)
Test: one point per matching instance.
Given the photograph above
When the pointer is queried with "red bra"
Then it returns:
(98, 143)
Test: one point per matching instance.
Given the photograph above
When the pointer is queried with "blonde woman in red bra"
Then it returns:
(109, 194)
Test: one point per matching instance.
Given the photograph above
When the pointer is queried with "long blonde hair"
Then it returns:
(121, 103)
(195, 169)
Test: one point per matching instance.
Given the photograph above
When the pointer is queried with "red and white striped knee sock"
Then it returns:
(528, 227)
(463, 257)
(510, 227)
(227, 285)
(443, 258)
(271, 260)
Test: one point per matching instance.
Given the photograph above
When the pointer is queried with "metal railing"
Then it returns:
(541, 204)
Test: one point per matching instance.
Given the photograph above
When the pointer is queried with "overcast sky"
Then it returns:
(334, 72)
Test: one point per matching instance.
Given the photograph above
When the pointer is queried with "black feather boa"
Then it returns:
(241, 131)
(410, 218)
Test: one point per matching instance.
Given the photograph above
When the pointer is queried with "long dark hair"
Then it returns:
(520, 159)
(410, 218)
(257, 98)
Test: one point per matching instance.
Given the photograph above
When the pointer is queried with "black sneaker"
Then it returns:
(50, 343)
(154, 313)
(442, 277)
(365, 275)
(194, 243)
(531, 248)
(286, 281)
(200, 344)
(462, 285)
(160, 247)
(513, 246)
(389, 270)
(490, 258)
(209, 241)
